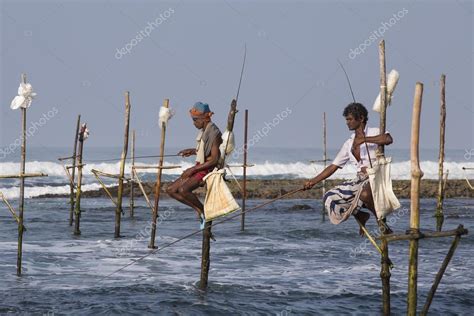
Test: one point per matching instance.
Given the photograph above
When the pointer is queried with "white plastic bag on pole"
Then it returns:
(24, 98)
(227, 141)
(392, 80)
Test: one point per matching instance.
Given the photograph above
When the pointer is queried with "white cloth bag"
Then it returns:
(380, 180)
(219, 200)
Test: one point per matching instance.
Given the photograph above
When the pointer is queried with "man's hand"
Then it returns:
(187, 152)
(308, 185)
(188, 173)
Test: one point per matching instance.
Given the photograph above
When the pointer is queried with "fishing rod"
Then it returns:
(353, 98)
(237, 96)
(118, 159)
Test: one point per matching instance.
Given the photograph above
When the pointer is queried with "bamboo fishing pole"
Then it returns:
(22, 185)
(325, 157)
(159, 173)
(118, 210)
(442, 130)
(207, 234)
(73, 172)
(416, 175)
(385, 261)
(77, 206)
(132, 183)
(244, 187)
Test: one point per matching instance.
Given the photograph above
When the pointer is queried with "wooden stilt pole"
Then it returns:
(442, 123)
(73, 172)
(440, 274)
(77, 206)
(22, 185)
(325, 157)
(206, 234)
(118, 210)
(158, 180)
(416, 175)
(385, 261)
(132, 186)
(244, 187)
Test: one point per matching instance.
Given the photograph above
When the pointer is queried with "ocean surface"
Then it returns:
(270, 163)
(287, 262)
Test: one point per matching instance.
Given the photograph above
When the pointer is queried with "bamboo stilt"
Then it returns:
(244, 189)
(442, 123)
(440, 274)
(385, 261)
(140, 185)
(104, 187)
(416, 175)
(132, 186)
(158, 181)
(22, 186)
(206, 233)
(325, 158)
(118, 210)
(12, 211)
(77, 206)
(73, 172)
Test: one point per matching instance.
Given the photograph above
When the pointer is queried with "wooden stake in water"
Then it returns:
(73, 172)
(416, 175)
(244, 187)
(206, 233)
(442, 123)
(132, 186)
(325, 158)
(158, 180)
(22, 185)
(385, 261)
(77, 223)
(118, 210)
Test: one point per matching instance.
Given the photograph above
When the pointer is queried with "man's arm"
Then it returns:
(187, 152)
(210, 163)
(326, 173)
(382, 139)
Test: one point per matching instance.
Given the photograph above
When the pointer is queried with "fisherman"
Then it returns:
(349, 197)
(207, 156)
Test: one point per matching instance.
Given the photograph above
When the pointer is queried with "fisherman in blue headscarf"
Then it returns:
(207, 156)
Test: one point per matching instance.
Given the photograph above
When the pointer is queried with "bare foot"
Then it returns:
(363, 218)
(385, 229)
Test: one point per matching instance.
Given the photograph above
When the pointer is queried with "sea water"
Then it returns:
(286, 262)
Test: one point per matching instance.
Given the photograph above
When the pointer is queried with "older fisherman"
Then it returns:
(207, 156)
(349, 197)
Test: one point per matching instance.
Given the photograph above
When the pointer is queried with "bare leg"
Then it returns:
(181, 190)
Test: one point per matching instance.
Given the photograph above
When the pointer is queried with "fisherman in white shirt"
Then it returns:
(349, 197)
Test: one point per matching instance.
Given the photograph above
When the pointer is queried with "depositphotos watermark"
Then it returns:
(469, 154)
(377, 33)
(263, 132)
(144, 33)
(31, 130)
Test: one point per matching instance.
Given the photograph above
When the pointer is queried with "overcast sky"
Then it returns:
(81, 56)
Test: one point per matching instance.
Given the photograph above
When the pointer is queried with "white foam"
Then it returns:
(299, 170)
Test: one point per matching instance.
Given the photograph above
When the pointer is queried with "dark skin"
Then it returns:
(358, 126)
(182, 189)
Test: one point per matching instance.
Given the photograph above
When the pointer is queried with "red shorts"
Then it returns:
(201, 174)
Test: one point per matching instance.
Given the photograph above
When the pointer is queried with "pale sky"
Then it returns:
(192, 51)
